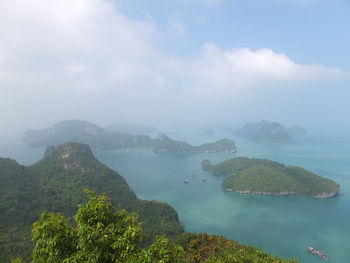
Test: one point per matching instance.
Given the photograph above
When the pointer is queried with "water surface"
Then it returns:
(281, 225)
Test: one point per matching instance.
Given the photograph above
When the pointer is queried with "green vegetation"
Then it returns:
(103, 139)
(101, 234)
(84, 132)
(165, 144)
(98, 234)
(56, 184)
(262, 176)
(235, 165)
(265, 132)
(213, 249)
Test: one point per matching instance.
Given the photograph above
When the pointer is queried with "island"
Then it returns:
(85, 132)
(56, 184)
(266, 177)
(99, 138)
(269, 132)
(296, 131)
(134, 129)
(165, 144)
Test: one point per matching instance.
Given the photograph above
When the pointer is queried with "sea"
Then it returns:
(283, 226)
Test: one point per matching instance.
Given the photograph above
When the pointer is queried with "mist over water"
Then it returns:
(281, 225)
(196, 70)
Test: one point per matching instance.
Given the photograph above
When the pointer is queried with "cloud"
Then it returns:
(242, 67)
(73, 53)
(64, 59)
(61, 36)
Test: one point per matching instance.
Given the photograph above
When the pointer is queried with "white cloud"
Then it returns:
(64, 59)
(46, 35)
(242, 67)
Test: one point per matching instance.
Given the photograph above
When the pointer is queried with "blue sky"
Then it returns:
(201, 61)
(309, 31)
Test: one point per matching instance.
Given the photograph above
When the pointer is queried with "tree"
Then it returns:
(99, 234)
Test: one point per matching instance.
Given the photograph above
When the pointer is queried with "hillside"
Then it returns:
(134, 129)
(99, 138)
(235, 165)
(268, 132)
(84, 132)
(164, 144)
(262, 176)
(56, 184)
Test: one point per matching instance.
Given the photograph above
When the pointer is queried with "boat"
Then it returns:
(186, 181)
(317, 253)
(204, 179)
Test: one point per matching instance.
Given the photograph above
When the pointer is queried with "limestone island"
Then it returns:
(164, 144)
(269, 132)
(266, 177)
(99, 138)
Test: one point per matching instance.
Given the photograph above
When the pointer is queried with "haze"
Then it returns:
(165, 62)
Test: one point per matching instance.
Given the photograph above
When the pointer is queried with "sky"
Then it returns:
(174, 61)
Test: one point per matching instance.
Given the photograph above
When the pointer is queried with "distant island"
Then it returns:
(108, 139)
(266, 177)
(296, 131)
(56, 184)
(134, 129)
(164, 144)
(269, 132)
(80, 131)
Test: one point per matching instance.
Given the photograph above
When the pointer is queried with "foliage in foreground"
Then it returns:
(100, 234)
(56, 184)
(212, 249)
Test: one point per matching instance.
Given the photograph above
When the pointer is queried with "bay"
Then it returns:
(281, 225)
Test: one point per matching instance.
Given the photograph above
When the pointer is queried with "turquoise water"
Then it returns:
(281, 225)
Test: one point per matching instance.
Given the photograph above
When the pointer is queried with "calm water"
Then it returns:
(281, 225)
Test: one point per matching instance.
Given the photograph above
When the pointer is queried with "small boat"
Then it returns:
(186, 181)
(204, 179)
(194, 175)
(317, 253)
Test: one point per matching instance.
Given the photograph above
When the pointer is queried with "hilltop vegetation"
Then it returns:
(164, 144)
(102, 234)
(262, 176)
(235, 165)
(84, 132)
(55, 184)
(101, 139)
(269, 132)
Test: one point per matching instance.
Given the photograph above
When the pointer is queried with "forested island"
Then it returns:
(266, 177)
(269, 132)
(80, 131)
(164, 144)
(108, 139)
(73, 227)
(56, 184)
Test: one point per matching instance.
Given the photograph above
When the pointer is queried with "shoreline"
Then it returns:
(279, 194)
